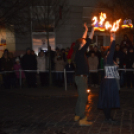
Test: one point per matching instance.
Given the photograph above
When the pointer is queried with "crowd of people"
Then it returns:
(62, 59)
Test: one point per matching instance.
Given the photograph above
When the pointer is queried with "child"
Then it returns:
(17, 67)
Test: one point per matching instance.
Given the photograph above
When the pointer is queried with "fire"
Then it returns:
(107, 25)
(95, 20)
(101, 25)
(88, 90)
(127, 24)
(116, 26)
(102, 18)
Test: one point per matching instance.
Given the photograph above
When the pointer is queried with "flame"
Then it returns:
(107, 25)
(99, 28)
(127, 23)
(95, 20)
(127, 26)
(102, 18)
(88, 90)
(115, 26)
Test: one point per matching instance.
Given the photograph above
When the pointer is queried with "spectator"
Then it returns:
(59, 66)
(102, 65)
(50, 55)
(0, 74)
(13, 80)
(118, 58)
(33, 53)
(129, 65)
(90, 51)
(29, 63)
(98, 55)
(93, 67)
(126, 42)
(41, 66)
(7, 65)
(17, 67)
(70, 67)
(123, 73)
(63, 55)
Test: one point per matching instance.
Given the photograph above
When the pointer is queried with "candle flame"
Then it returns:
(116, 26)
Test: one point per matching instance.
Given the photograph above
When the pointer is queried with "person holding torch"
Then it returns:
(81, 74)
(109, 89)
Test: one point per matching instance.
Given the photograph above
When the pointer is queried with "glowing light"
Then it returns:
(88, 90)
(95, 20)
(102, 18)
(127, 24)
(116, 25)
(108, 25)
(99, 25)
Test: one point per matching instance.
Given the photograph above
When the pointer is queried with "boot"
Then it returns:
(84, 122)
(77, 118)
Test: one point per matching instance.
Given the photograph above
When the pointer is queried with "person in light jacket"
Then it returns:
(59, 67)
(41, 67)
(93, 66)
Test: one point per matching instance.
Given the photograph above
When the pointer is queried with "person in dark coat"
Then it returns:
(70, 75)
(7, 68)
(109, 89)
(81, 73)
(125, 42)
(130, 65)
(29, 62)
(119, 59)
(123, 72)
(98, 54)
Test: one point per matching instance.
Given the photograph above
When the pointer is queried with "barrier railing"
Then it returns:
(64, 72)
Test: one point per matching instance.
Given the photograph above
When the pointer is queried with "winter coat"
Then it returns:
(119, 58)
(93, 64)
(6, 64)
(59, 64)
(41, 63)
(70, 67)
(29, 62)
(129, 60)
(18, 67)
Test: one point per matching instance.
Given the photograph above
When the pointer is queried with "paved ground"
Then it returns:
(33, 114)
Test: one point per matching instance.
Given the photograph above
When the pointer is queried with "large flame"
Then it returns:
(102, 18)
(116, 26)
(108, 25)
(95, 20)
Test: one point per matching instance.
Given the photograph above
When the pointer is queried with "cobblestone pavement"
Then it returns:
(54, 115)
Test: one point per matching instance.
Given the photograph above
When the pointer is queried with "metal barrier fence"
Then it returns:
(64, 72)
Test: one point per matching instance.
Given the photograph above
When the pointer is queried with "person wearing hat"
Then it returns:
(81, 73)
(109, 89)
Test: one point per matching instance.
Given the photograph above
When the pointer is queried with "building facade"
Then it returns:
(63, 36)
